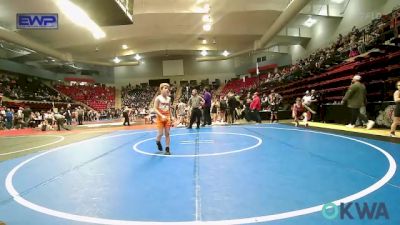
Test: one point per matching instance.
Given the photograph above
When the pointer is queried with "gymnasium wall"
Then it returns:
(152, 69)
(358, 13)
(245, 62)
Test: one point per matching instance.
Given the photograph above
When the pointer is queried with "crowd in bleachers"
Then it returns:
(356, 42)
(19, 87)
(138, 98)
(371, 52)
(25, 117)
(99, 97)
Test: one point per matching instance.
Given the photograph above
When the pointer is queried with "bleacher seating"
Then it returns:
(330, 70)
(138, 97)
(376, 73)
(22, 87)
(99, 97)
(238, 84)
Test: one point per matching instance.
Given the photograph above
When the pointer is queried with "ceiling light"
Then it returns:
(204, 41)
(198, 10)
(80, 18)
(310, 22)
(204, 52)
(337, 1)
(207, 27)
(137, 57)
(225, 53)
(206, 18)
(124, 46)
(207, 8)
(116, 60)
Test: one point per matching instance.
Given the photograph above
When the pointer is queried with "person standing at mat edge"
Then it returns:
(162, 107)
(255, 107)
(355, 98)
(195, 103)
(81, 113)
(125, 114)
(207, 107)
(396, 117)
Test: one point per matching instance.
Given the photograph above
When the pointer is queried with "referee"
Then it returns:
(195, 102)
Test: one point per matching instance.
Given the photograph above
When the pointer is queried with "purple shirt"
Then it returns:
(207, 99)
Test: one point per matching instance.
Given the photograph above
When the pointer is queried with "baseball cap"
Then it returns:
(357, 77)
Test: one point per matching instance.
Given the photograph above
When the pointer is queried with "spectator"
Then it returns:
(206, 107)
(181, 112)
(126, 116)
(232, 103)
(60, 120)
(81, 113)
(353, 51)
(274, 100)
(255, 107)
(214, 109)
(396, 116)
(9, 118)
(307, 99)
(315, 104)
(68, 115)
(355, 98)
(19, 119)
(223, 106)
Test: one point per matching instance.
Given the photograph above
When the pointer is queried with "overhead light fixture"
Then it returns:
(116, 60)
(207, 8)
(124, 46)
(74, 66)
(137, 57)
(207, 27)
(204, 52)
(204, 41)
(225, 53)
(206, 18)
(80, 18)
(337, 1)
(310, 22)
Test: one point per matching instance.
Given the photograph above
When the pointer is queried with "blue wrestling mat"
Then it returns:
(266, 174)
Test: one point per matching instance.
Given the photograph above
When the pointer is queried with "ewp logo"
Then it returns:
(364, 210)
(37, 21)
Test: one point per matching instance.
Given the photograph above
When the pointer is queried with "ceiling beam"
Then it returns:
(15, 38)
(289, 13)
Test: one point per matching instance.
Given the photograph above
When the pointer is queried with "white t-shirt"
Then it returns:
(181, 108)
(307, 100)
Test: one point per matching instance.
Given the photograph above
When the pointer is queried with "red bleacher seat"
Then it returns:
(97, 97)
